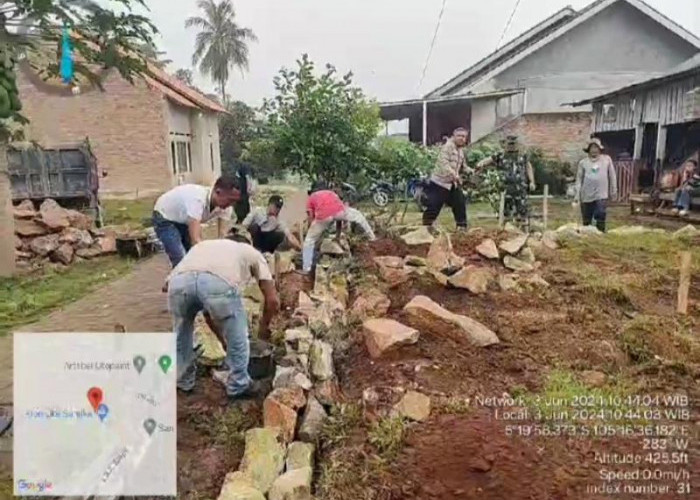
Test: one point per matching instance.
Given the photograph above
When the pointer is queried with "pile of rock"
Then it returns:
(278, 459)
(56, 234)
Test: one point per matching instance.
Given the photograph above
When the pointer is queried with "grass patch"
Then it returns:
(26, 299)
(339, 425)
(646, 337)
(132, 213)
(387, 436)
(565, 400)
(454, 406)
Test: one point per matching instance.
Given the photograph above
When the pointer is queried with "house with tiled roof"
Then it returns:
(147, 136)
(526, 86)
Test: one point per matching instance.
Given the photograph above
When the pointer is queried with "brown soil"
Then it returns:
(464, 456)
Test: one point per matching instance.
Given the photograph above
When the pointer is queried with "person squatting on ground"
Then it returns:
(445, 186)
(211, 278)
(266, 229)
(179, 213)
(518, 176)
(596, 183)
(323, 208)
(689, 187)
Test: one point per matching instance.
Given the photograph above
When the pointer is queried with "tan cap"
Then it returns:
(592, 141)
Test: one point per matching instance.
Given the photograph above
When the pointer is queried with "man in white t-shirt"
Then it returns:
(266, 229)
(178, 214)
(211, 278)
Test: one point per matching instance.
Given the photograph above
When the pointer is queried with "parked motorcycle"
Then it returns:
(381, 193)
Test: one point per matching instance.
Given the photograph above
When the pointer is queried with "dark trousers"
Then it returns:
(265, 241)
(241, 209)
(174, 236)
(594, 210)
(437, 197)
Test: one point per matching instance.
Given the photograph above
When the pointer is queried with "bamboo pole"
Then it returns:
(277, 269)
(684, 284)
(501, 209)
(545, 206)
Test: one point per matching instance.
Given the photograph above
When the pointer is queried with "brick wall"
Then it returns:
(558, 135)
(126, 125)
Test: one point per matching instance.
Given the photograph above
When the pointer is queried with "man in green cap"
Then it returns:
(518, 176)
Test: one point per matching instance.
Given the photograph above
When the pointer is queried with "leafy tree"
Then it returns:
(221, 44)
(322, 126)
(150, 51)
(235, 129)
(398, 160)
(102, 36)
(185, 76)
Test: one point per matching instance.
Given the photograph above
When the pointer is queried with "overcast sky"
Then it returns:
(384, 42)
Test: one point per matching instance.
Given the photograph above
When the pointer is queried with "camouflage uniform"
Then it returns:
(513, 167)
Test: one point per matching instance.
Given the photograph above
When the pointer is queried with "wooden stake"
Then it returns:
(545, 206)
(684, 284)
(277, 269)
(501, 209)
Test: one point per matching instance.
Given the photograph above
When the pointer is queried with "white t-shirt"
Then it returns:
(189, 201)
(267, 223)
(236, 263)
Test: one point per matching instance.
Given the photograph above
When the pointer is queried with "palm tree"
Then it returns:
(221, 43)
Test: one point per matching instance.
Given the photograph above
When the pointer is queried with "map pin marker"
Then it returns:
(149, 425)
(102, 412)
(94, 397)
(139, 363)
(164, 362)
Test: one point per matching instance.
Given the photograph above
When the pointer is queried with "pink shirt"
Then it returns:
(324, 205)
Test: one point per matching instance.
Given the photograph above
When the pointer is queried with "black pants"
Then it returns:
(437, 197)
(265, 241)
(241, 209)
(594, 210)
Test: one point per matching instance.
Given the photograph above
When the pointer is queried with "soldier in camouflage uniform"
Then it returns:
(518, 175)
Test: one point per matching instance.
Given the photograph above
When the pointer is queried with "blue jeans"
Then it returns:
(192, 292)
(594, 210)
(174, 236)
(682, 200)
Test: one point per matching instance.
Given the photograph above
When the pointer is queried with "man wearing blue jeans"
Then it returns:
(178, 214)
(211, 278)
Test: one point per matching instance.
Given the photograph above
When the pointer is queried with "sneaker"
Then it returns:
(683, 213)
(675, 211)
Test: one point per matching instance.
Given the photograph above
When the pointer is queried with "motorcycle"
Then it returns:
(381, 193)
(415, 189)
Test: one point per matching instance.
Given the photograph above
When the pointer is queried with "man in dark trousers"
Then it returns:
(266, 229)
(242, 206)
(445, 186)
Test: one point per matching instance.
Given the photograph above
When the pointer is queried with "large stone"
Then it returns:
(44, 245)
(414, 406)
(517, 265)
(509, 227)
(685, 231)
(441, 257)
(431, 318)
(514, 245)
(589, 230)
(327, 392)
(488, 249)
(394, 276)
(385, 335)
(626, 230)
(321, 360)
(263, 459)
(79, 238)
(280, 410)
(508, 282)
(567, 231)
(29, 228)
(527, 255)
(300, 455)
(289, 376)
(107, 243)
(549, 240)
(53, 215)
(63, 254)
(370, 303)
(79, 220)
(420, 236)
(25, 210)
(292, 485)
(18, 243)
(88, 253)
(472, 278)
(389, 261)
(239, 486)
(331, 247)
(298, 340)
(312, 421)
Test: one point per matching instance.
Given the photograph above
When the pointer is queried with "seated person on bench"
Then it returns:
(690, 186)
(265, 228)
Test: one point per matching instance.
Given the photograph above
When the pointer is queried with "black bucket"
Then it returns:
(261, 364)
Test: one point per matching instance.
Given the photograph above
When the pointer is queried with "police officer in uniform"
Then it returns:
(518, 175)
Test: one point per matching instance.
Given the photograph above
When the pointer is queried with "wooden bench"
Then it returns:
(645, 200)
